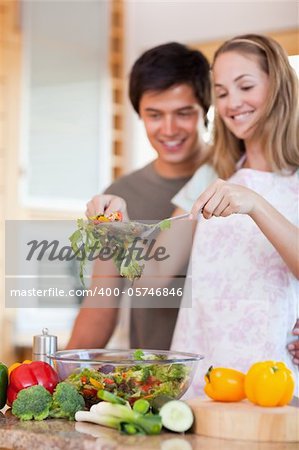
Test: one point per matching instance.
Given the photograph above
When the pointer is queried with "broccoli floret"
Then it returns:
(32, 403)
(66, 402)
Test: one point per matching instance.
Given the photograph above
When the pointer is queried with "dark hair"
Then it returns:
(167, 65)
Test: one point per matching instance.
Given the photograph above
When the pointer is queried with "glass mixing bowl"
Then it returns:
(130, 374)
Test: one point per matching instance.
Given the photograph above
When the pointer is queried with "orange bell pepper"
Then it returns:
(224, 385)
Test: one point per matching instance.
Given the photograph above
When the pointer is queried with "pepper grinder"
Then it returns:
(43, 345)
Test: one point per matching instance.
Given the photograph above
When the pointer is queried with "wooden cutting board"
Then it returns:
(245, 421)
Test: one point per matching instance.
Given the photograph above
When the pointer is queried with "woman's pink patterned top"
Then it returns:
(244, 298)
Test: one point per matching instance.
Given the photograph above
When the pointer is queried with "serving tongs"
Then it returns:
(155, 226)
(137, 229)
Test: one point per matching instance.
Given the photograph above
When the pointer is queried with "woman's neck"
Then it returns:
(255, 158)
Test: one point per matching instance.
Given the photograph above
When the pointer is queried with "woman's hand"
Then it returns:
(223, 199)
(106, 204)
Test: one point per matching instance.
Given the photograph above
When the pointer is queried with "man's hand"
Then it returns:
(106, 204)
(293, 347)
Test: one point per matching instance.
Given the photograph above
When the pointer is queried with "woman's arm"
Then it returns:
(282, 234)
(223, 199)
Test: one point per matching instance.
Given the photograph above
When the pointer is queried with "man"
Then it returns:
(169, 88)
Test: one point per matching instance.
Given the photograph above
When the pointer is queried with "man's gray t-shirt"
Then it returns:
(148, 197)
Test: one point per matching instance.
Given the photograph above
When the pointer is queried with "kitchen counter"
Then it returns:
(61, 434)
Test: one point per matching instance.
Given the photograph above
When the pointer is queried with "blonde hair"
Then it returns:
(279, 126)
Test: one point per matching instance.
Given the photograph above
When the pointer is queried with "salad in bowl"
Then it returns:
(129, 374)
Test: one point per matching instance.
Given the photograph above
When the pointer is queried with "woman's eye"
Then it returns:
(221, 95)
(246, 88)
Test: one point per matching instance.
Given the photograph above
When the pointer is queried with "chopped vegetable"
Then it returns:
(109, 397)
(113, 217)
(269, 383)
(94, 382)
(96, 234)
(32, 403)
(3, 384)
(138, 355)
(121, 417)
(26, 375)
(133, 382)
(160, 401)
(141, 406)
(176, 416)
(132, 270)
(66, 402)
(165, 224)
(224, 385)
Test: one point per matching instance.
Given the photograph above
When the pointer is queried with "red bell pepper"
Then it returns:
(26, 375)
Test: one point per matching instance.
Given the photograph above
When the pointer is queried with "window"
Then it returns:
(66, 135)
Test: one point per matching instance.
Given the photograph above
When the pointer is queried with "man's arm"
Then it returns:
(93, 328)
(97, 317)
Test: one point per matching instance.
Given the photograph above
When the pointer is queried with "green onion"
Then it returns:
(141, 406)
(111, 398)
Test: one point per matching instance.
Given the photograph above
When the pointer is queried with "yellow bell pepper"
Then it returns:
(17, 364)
(224, 385)
(95, 383)
(269, 383)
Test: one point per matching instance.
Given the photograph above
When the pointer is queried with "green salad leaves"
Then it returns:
(134, 381)
(112, 241)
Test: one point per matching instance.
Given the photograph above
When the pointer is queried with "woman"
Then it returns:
(245, 256)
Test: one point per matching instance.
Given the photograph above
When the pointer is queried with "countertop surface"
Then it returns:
(61, 434)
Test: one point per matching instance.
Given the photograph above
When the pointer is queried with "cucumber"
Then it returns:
(160, 401)
(176, 416)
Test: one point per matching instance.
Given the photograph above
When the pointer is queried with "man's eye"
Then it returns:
(154, 116)
(185, 113)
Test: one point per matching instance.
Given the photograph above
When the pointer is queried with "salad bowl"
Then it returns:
(130, 374)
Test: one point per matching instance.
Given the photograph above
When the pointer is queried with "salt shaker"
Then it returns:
(43, 345)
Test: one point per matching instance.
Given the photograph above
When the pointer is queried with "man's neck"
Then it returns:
(180, 170)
